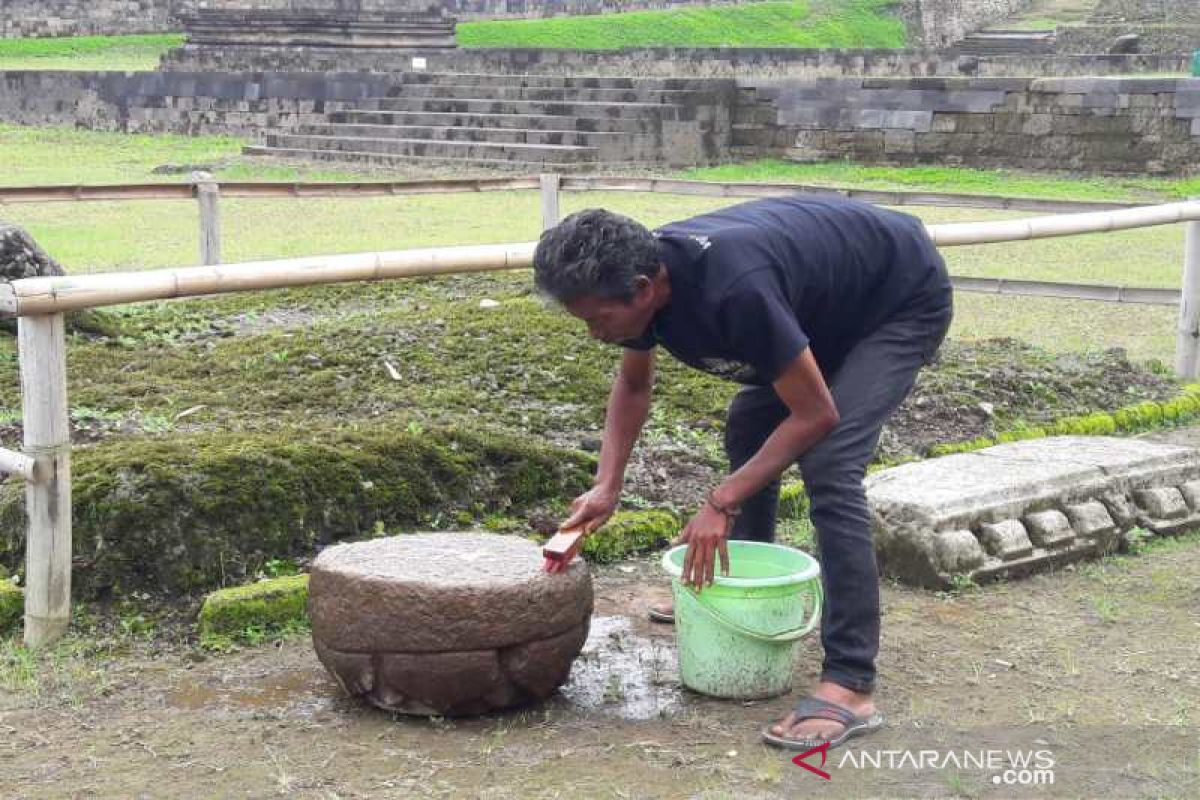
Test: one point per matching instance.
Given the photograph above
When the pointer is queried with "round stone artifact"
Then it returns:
(447, 623)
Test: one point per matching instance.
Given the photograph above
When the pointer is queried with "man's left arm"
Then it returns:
(812, 415)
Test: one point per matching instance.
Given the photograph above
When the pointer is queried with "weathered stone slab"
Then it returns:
(1049, 528)
(1029, 505)
(447, 623)
(1006, 540)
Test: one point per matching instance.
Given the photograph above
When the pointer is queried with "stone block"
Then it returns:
(899, 141)
(447, 623)
(997, 486)
(919, 121)
(1049, 529)
(1091, 520)
(1006, 540)
(958, 551)
(944, 123)
(1191, 494)
(1120, 508)
(1163, 503)
(1038, 125)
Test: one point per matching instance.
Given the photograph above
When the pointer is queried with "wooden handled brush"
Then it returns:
(561, 548)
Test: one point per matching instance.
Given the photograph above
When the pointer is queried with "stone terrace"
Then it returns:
(521, 122)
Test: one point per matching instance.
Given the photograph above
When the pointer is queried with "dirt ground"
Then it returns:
(1092, 670)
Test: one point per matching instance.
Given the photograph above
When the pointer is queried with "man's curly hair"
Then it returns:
(594, 253)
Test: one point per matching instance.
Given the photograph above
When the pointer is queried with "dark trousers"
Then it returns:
(868, 386)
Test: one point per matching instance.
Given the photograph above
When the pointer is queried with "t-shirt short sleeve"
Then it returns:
(760, 327)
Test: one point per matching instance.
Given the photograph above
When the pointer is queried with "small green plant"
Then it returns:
(1106, 608)
(961, 582)
(137, 626)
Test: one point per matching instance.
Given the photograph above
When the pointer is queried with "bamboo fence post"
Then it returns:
(1187, 342)
(42, 347)
(550, 186)
(208, 194)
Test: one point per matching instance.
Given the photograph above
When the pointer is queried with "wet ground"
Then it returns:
(1088, 678)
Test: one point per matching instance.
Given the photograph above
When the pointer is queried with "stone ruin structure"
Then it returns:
(447, 623)
(322, 23)
(1023, 507)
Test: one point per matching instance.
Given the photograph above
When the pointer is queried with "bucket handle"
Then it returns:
(790, 635)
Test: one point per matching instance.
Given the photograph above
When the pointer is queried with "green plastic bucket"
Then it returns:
(737, 638)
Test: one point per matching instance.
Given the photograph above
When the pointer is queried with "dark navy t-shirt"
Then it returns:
(754, 284)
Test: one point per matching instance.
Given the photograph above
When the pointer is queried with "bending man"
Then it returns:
(825, 309)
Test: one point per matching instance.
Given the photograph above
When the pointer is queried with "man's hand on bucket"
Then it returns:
(706, 536)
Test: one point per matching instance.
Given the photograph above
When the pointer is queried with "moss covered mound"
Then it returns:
(630, 532)
(245, 613)
(12, 605)
(195, 512)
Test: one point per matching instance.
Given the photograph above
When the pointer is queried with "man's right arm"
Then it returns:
(628, 407)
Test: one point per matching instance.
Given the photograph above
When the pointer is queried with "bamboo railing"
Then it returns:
(40, 303)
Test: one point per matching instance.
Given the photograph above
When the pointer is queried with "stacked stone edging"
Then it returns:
(748, 62)
(1103, 125)
(41, 18)
(1026, 506)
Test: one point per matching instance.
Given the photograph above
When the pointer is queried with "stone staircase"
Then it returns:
(1007, 43)
(523, 122)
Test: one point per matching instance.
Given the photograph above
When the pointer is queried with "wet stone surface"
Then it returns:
(447, 623)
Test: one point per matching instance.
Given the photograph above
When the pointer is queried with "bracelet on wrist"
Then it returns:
(728, 511)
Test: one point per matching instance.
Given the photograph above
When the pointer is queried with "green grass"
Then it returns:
(954, 179)
(1034, 24)
(800, 23)
(39, 156)
(107, 236)
(130, 53)
(816, 23)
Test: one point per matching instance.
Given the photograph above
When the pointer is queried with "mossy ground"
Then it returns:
(223, 433)
(12, 605)
(253, 612)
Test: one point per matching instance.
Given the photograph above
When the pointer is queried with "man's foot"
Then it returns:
(843, 713)
(662, 612)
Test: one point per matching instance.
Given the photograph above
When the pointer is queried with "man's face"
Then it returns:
(614, 321)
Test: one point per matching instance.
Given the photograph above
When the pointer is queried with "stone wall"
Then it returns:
(1126, 125)
(941, 23)
(1117, 126)
(1163, 26)
(1179, 38)
(1147, 12)
(29, 18)
(180, 102)
(662, 62)
(477, 9)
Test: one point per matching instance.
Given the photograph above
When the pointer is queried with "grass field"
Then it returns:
(798, 23)
(136, 52)
(1009, 183)
(144, 234)
(58, 155)
(811, 23)
(103, 236)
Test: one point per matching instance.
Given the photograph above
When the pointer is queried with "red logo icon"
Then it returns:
(823, 749)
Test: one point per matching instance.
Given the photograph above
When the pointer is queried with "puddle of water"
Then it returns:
(301, 691)
(623, 674)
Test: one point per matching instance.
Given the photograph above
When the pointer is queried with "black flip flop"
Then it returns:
(665, 617)
(816, 708)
